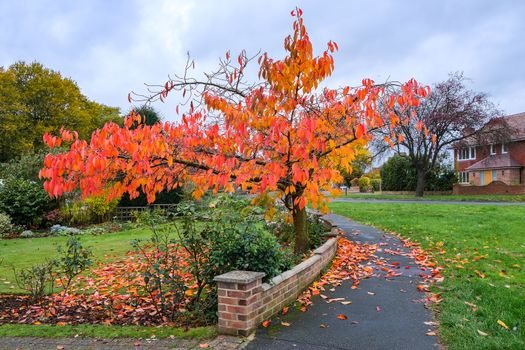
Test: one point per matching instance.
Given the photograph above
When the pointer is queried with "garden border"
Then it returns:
(244, 301)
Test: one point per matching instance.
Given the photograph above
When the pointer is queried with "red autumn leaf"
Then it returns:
(342, 317)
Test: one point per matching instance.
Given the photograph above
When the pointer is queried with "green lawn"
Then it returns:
(101, 331)
(24, 252)
(486, 241)
(446, 197)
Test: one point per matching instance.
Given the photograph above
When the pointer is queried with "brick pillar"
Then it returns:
(239, 295)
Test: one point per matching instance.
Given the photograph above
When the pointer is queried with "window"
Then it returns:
(467, 153)
(504, 148)
(492, 148)
(463, 177)
(494, 175)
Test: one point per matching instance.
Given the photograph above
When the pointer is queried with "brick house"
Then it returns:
(504, 163)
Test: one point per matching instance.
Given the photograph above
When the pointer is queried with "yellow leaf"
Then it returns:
(286, 324)
(502, 324)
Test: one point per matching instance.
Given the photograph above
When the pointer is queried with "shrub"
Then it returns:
(364, 184)
(76, 213)
(6, 227)
(376, 184)
(316, 231)
(27, 234)
(59, 230)
(25, 201)
(36, 280)
(246, 246)
(26, 167)
(231, 238)
(100, 208)
(53, 217)
(285, 232)
(72, 261)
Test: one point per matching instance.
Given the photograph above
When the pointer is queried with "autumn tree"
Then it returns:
(450, 114)
(35, 100)
(282, 135)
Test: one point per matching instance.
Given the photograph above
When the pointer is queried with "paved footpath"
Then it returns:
(386, 313)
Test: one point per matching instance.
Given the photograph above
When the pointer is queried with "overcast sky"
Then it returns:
(112, 47)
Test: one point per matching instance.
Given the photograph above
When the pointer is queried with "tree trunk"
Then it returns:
(421, 181)
(301, 230)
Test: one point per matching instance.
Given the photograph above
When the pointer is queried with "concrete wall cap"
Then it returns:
(239, 277)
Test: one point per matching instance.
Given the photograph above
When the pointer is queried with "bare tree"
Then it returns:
(451, 114)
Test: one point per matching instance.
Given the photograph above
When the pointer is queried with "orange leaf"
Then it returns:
(342, 317)
(266, 323)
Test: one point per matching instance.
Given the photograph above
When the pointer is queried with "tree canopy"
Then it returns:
(281, 135)
(450, 114)
(35, 100)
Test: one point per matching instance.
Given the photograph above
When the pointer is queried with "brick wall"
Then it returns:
(244, 301)
(496, 187)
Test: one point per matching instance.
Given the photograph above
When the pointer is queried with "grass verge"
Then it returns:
(483, 251)
(101, 331)
(445, 197)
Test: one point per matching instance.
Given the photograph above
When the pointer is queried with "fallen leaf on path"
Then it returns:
(378, 308)
(204, 346)
(371, 293)
(502, 324)
(346, 302)
(266, 323)
(335, 299)
(285, 310)
(322, 325)
(430, 323)
(431, 333)
(342, 317)
(286, 324)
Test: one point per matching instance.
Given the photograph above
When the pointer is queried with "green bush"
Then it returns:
(285, 231)
(38, 280)
(399, 174)
(100, 208)
(364, 184)
(25, 201)
(246, 246)
(376, 184)
(75, 213)
(26, 167)
(72, 261)
(6, 227)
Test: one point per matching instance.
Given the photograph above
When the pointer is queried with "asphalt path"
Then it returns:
(386, 312)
